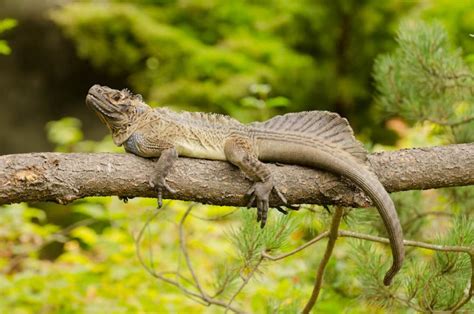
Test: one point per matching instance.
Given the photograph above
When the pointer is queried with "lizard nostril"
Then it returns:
(95, 88)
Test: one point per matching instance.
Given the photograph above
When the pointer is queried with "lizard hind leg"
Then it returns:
(239, 151)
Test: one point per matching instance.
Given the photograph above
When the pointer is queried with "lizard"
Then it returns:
(317, 139)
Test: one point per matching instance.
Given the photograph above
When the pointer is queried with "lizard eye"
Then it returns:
(117, 96)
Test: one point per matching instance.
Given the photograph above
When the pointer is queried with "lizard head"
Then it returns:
(119, 110)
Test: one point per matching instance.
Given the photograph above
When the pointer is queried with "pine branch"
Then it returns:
(66, 177)
(357, 235)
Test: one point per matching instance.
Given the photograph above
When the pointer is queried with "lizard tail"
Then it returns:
(299, 151)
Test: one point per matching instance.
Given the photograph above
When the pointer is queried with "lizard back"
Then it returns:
(194, 134)
(318, 128)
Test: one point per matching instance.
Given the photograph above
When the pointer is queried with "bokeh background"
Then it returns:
(248, 59)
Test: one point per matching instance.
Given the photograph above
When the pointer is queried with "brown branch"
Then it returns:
(201, 297)
(368, 237)
(182, 245)
(433, 247)
(66, 177)
(333, 234)
(298, 249)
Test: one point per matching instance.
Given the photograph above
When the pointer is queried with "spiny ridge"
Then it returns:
(324, 126)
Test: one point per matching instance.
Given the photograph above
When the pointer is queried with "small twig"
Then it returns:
(194, 296)
(451, 124)
(434, 247)
(222, 288)
(177, 274)
(182, 245)
(363, 236)
(244, 283)
(333, 234)
(150, 251)
(298, 249)
(215, 218)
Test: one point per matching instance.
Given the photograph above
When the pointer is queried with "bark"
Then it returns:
(63, 177)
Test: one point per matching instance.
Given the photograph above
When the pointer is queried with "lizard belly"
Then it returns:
(196, 150)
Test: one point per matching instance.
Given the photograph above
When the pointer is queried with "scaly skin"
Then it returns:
(316, 139)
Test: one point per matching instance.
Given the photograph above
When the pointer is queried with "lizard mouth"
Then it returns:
(96, 104)
(94, 97)
(99, 104)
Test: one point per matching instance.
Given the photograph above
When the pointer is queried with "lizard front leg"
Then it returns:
(163, 167)
(145, 146)
(239, 151)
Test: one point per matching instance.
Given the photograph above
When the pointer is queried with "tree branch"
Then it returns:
(63, 177)
(333, 234)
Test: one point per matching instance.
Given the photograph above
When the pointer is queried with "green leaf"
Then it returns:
(4, 48)
(95, 211)
(252, 102)
(278, 102)
(7, 24)
(85, 234)
(65, 131)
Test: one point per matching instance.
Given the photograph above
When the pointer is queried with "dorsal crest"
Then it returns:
(323, 126)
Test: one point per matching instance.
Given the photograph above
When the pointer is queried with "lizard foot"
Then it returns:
(159, 183)
(260, 192)
(125, 199)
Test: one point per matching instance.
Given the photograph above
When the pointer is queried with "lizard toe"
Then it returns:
(264, 213)
(280, 195)
(281, 210)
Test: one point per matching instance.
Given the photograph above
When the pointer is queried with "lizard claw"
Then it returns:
(282, 210)
(124, 199)
(160, 184)
(260, 192)
(326, 207)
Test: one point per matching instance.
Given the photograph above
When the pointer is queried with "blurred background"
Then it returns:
(388, 66)
(201, 55)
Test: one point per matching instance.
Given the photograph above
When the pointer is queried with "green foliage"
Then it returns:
(5, 25)
(425, 286)
(64, 132)
(456, 17)
(251, 241)
(67, 136)
(170, 65)
(206, 55)
(425, 79)
(253, 60)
